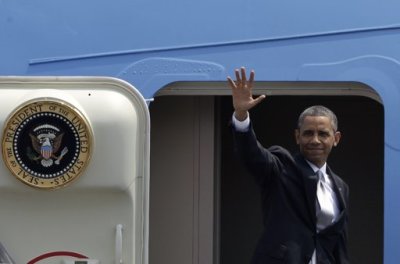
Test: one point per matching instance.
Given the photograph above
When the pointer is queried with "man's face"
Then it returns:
(316, 138)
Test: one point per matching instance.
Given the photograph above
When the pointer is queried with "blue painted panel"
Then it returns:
(48, 28)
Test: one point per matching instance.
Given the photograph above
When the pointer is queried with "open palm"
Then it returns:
(242, 92)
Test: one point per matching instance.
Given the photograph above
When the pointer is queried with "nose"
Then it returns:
(315, 139)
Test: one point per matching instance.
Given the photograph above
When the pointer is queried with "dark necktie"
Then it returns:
(325, 211)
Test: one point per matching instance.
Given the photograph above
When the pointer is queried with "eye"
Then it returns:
(308, 133)
(323, 134)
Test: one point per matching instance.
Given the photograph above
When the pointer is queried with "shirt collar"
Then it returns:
(315, 168)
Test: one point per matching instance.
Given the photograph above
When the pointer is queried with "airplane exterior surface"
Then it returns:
(159, 46)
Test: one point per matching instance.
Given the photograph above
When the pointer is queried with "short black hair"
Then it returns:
(318, 110)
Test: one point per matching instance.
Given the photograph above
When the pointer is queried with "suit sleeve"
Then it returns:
(262, 163)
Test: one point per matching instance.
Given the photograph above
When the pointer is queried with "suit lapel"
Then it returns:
(310, 185)
(310, 188)
(338, 188)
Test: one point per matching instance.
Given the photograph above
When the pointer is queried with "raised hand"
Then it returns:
(242, 93)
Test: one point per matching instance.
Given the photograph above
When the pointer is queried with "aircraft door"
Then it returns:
(74, 181)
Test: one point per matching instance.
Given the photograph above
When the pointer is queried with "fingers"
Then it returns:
(243, 72)
(259, 99)
(231, 83)
(251, 79)
(241, 78)
(241, 75)
(238, 79)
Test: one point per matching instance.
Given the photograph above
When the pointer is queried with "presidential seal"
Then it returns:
(46, 143)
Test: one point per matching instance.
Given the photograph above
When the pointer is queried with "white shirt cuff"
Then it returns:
(241, 126)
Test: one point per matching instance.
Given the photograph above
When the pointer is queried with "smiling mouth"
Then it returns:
(315, 150)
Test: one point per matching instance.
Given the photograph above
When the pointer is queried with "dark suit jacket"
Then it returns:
(288, 190)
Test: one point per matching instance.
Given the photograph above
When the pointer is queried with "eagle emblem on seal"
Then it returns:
(46, 141)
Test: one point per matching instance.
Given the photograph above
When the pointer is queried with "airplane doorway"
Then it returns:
(205, 208)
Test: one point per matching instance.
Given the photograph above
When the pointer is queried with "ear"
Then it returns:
(297, 135)
(338, 135)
